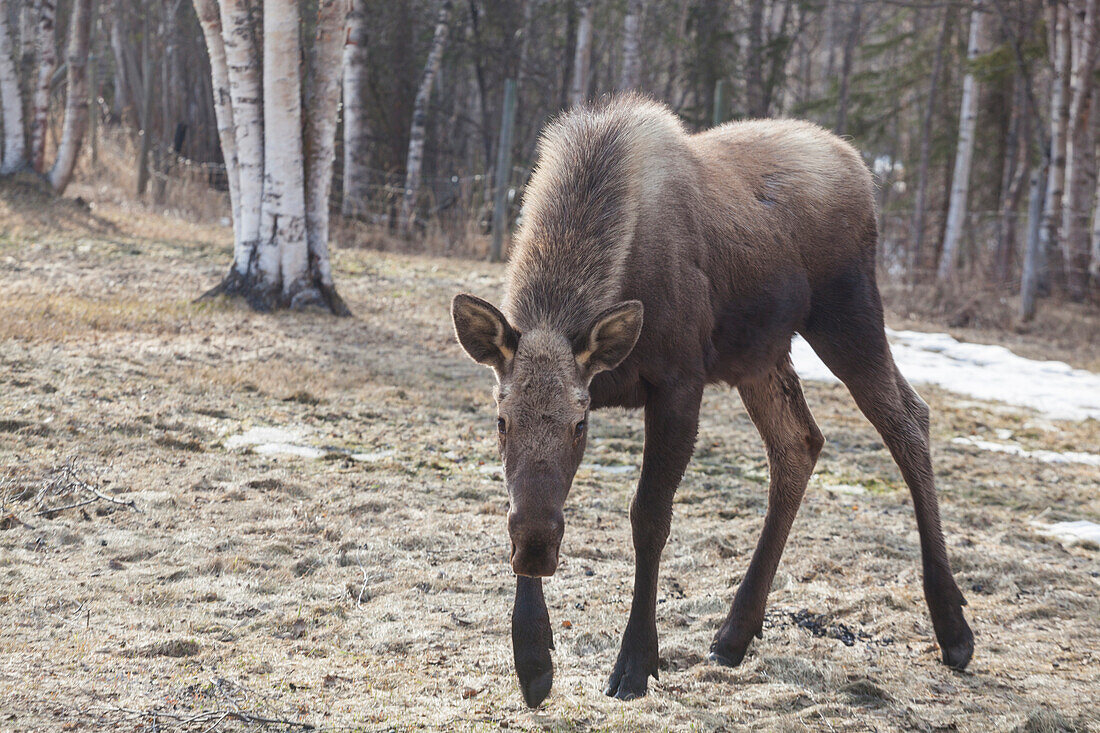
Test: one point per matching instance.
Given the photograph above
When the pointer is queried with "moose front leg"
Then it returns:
(532, 640)
(671, 421)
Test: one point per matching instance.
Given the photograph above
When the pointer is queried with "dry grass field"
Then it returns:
(202, 585)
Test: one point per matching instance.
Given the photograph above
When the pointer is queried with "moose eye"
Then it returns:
(578, 431)
(502, 427)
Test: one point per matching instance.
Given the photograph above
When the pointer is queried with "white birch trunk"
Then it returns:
(11, 101)
(76, 100)
(283, 253)
(47, 62)
(631, 76)
(1094, 249)
(244, 65)
(1059, 127)
(211, 22)
(356, 141)
(1075, 213)
(583, 55)
(322, 111)
(960, 181)
(415, 158)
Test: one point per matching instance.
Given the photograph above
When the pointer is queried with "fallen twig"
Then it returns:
(67, 480)
(218, 716)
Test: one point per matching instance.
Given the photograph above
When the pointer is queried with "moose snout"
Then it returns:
(536, 537)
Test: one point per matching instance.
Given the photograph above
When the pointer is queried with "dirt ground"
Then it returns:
(373, 592)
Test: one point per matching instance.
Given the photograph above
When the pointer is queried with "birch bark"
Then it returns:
(583, 54)
(632, 32)
(964, 151)
(243, 62)
(76, 100)
(1075, 213)
(415, 158)
(356, 131)
(47, 62)
(211, 23)
(11, 101)
(283, 253)
(1059, 126)
(321, 114)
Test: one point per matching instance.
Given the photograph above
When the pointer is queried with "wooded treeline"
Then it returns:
(978, 119)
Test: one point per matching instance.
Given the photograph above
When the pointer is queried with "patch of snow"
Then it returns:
(373, 457)
(274, 442)
(612, 469)
(844, 489)
(992, 373)
(1046, 456)
(288, 449)
(1069, 532)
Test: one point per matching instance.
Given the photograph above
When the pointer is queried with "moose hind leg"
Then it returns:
(851, 340)
(793, 441)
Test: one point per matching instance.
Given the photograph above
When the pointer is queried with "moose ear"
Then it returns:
(483, 331)
(611, 338)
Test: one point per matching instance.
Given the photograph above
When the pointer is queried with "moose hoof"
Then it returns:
(630, 679)
(627, 686)
(728, 654)
(537, 688)
(956, 654)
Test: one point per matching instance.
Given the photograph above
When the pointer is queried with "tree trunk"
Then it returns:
(920, 205)
(1094, 255)
(146, 109)
(356, 132)
(283, 256)
(415, 158)
(322, 110)
(211, 22)
(1061, 45)
(960, 181)
(243, 61)
(47, 62)
(754, 72)
(1033, 260)
(582, 57)
(1075, 207)
(76, 101)
(631, 76)
(124, 95)
(851, 45)
(11, 101)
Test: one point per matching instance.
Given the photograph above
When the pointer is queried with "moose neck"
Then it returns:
(570, 255)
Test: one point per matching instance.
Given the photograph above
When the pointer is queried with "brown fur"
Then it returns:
(730, 241)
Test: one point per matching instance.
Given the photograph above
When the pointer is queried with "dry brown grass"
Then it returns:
(375, 595)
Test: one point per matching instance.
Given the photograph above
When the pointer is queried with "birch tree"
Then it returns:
(322, 109)
(243, 64)
(47, 63)
(415, 158)
(211, 23)
(583, 55)
(1075, 207)
(356, 131)
(632, 36)
(960, 181)
(76, 100)
(11, 100)
(1060, 43)
(280, 154)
